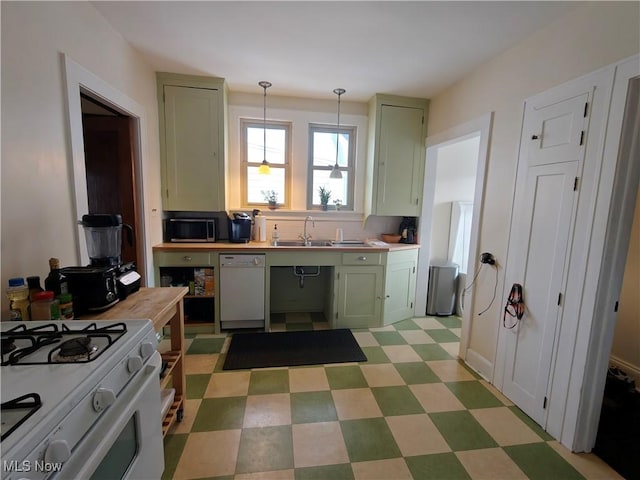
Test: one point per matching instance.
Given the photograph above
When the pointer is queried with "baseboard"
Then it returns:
(631, 370)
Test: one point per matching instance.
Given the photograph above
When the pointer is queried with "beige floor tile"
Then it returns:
(235, 384)
(504, 426)
(490, 464)
(401, 353)
(321, 326)
(308, 380)
(365, 339)
(202, 363)
(190, 411)
(590, 466)
(353, 403)
(297, 317)
(209, 454)
(436, 397)
(394, 468)
(452, 348)
(381, 375)
(388, 328)
(497, 393)
(428, 323)
(267, 410)
(456, 331)
(318, 444)
(450, 370)
(416, 337)
(274, 475)
(278, 327)
(416, 435)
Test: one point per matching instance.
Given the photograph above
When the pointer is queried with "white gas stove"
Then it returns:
(80, 399)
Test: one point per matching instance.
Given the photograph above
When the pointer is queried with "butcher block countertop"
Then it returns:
(156, 304)
(266, 246)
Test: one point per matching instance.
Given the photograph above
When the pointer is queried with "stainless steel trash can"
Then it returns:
(441, 292)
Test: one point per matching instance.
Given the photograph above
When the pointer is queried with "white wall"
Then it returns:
(455, 182)
(588, 38)
(626, 341)
(38, 219)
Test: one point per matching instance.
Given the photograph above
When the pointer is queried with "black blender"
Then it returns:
(106, 280)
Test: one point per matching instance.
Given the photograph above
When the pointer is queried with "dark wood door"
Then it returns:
(111, 174)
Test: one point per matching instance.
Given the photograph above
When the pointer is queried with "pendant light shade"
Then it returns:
(335, 171)
(264, 168)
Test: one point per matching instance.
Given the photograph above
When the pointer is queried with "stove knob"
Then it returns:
(103, 398)
(58, 451)
(134, 364)
(147, 349)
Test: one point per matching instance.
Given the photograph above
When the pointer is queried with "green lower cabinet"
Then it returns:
(400, 285)
(360, 290)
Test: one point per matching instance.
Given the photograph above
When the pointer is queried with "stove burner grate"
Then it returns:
(28, 403)
(35, 338)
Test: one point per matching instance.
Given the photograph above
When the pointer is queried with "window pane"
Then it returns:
(337, 186)
(256, 183)
(324, 149)
(275, 145)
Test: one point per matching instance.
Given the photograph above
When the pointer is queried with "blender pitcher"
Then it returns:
(103, 233)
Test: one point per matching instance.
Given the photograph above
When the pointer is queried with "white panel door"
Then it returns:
(552, 149)
(543, 235)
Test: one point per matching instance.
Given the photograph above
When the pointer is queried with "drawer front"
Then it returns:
(196, 259)
(362, 258)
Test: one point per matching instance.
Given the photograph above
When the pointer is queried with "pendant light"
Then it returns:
(264, 168)
(335, 171)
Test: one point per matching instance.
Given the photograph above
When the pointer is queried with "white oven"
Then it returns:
(97, 419)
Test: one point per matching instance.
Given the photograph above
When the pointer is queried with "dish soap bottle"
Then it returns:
(275, 235)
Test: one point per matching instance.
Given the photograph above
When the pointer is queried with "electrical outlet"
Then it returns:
(487, 258)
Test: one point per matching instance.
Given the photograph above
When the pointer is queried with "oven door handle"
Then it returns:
(87, 457)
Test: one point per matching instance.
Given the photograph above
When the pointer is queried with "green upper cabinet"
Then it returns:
(396, 155)
(192, 114)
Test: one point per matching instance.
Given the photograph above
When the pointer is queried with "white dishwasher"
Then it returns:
(242, 279)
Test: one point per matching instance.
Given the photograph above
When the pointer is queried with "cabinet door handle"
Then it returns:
(363, 258)
(186, 258)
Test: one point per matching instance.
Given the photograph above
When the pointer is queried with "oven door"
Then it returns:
(126, 443)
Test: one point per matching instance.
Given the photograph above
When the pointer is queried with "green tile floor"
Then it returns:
(412, 411)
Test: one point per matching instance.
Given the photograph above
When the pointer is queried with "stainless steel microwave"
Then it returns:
(185, 230)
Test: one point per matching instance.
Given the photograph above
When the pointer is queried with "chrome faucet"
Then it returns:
(307, 237)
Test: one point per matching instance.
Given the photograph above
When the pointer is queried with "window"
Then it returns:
(277, 153)
(322, 153)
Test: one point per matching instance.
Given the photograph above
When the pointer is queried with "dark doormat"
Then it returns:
(287, 349)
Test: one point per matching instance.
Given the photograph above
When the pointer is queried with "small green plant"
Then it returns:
(325, 195)
(270, 196)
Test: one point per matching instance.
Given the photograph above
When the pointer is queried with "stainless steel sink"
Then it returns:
(300, 243)
(322, 243)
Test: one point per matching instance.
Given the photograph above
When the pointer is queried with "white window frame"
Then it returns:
(350, 168)
(246, 123)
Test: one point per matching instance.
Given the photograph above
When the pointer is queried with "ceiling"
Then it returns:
(308, 48)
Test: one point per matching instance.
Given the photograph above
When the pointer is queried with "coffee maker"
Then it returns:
(106, 280)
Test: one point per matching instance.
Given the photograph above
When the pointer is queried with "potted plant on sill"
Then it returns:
(325, 195)
(271, 197)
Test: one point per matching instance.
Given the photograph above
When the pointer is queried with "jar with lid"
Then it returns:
(66, 306)
(18, 294)
(45, 306)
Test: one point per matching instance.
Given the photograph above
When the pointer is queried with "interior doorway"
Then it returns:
(472, 140)
(110, 167)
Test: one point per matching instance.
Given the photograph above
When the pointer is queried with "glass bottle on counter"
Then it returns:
(45, 307)
(56, 282)
(34, 287)
(18, 294)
